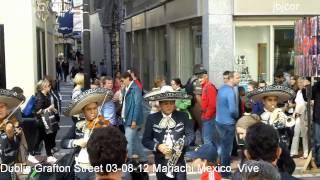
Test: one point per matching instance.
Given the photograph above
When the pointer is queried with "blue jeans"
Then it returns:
(227, 133)
(134, 143)
(316, 143)
(209, 132)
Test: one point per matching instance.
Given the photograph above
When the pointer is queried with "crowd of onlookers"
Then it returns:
(226, 118)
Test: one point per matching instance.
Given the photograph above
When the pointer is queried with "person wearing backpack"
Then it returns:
(208, 107)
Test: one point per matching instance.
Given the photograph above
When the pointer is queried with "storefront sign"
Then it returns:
(276, 7)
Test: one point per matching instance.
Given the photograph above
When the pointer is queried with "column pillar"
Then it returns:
(218, 38)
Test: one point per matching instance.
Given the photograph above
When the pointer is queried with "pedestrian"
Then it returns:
(56, 100)
(103, 152)
(193, 88)
(271, 96)
(208, 107)
(134, 75)
(132, 116)
(155, 104)
(108, 109)
(301, 123)
(117, 82)
(257, 136)
(227, 114)
(168, 133)
(279, 79)
(59, 70)
(79, 84)
(257, 107)
(44, 109)
(225, 76)
(205, 157)
(10, 137)
(93, 71)
(316, 121)
(65, 69)
(181, 105)
(86, 104)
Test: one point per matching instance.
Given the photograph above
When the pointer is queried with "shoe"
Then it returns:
(51, 160)
(32, 159)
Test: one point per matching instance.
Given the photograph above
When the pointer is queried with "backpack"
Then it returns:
(189, 87)
(29, 108)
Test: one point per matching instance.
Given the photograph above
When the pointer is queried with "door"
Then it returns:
(2, 59)
(262, 59)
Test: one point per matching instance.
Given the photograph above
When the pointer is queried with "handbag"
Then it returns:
(49, 121)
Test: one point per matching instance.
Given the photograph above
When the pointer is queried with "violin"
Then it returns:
(13, 120)
(98, 122)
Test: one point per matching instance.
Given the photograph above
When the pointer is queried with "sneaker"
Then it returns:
(32, 159)
(51, 160)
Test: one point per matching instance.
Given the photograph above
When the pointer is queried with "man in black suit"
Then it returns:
(168, 133)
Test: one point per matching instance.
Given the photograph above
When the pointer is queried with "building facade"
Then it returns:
(166, 38)
(26, 44)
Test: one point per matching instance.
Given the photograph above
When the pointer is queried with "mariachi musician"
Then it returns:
(10, 131)
(272, 115)
(168, 133)
(86, 103)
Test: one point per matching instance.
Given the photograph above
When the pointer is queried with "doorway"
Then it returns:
(262, 59)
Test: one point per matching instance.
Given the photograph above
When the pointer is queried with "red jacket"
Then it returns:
(211, 176)
(208, 101)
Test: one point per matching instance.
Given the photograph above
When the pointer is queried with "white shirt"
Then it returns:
(265, 116)
(167, 115)
(299, 98)
(124, 101)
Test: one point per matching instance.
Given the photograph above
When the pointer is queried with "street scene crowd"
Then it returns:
(260, 124)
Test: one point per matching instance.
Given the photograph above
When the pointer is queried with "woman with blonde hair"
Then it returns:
(79, 84)
(44, 107)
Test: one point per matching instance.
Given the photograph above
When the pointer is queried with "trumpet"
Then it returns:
(177, 151)
(280, 120)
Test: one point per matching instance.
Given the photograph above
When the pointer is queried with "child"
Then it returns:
(204, 157)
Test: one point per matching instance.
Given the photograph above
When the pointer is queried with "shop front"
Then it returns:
(264, 34)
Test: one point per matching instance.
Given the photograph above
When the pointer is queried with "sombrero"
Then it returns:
(97, 95)
(10, 98)
(283, 93)
(166, 95)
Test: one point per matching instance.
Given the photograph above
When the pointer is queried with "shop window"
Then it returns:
(140, 60)
(284, 50)
(183, 52)
(157, 54)
(252, 58)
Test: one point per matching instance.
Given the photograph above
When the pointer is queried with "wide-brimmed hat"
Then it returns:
(282, 92)
(11, 98)
(97, 95)
(166, 95)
